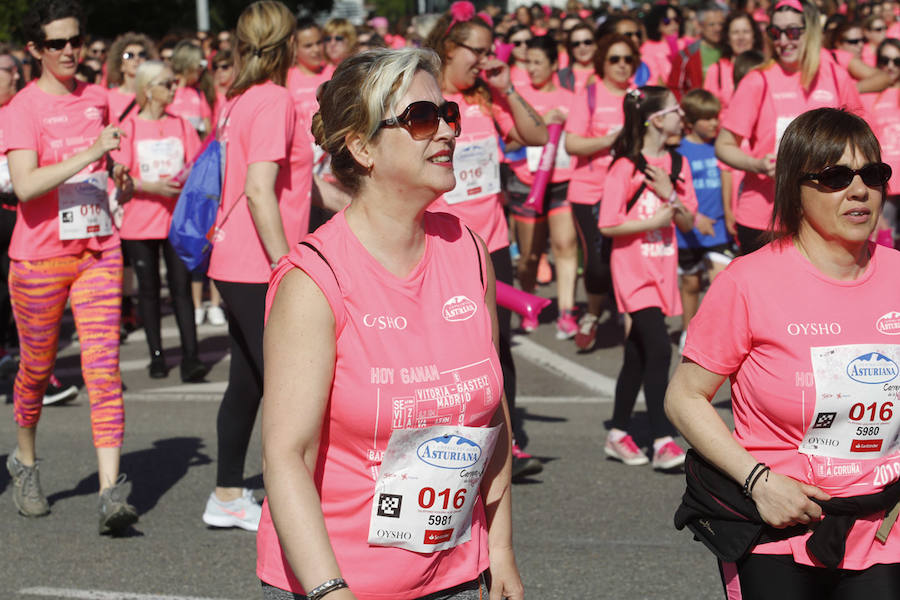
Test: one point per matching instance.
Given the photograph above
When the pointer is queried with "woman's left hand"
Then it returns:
(124, 183)
(496, 74)
(505, 579)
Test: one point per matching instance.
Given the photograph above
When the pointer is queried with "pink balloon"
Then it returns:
(535, 199)
(527, 305)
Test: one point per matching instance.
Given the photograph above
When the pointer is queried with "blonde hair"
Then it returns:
(186, 57)
(264, 33)
(362, 91)
(147, 72)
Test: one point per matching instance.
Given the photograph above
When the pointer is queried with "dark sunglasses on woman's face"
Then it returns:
(614, 59)
(839, 177)
(670, 20)
(220, 67)
(422, 119)
(58, 44)
(575, 44)
(130, 55)
(853, 41)
(878, 29)
(884, 61)
(793, 32)
(518, 43)
(333, 38)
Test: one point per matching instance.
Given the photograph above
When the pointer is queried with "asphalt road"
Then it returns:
(586, 527)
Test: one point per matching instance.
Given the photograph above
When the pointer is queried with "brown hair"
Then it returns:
(444, 38)
(814, 140)
(607, 42)
(700, 104)
(264, 33)
(117, 48)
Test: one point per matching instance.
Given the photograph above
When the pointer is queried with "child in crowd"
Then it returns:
(708, 248)
(647, 192)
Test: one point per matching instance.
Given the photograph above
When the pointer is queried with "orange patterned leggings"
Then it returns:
(92, 282)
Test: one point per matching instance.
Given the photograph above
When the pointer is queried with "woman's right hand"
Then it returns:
(663, 216)
(163, 187)
(108, 139)
(783, 501)
(766, 165)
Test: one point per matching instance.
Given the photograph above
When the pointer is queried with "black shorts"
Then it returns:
(692, 261)
(554, 199)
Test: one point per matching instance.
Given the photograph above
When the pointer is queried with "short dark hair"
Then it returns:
(44, 12)
(814, 140)
(547, 45)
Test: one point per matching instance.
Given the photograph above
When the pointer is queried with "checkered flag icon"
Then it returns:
(824, 420)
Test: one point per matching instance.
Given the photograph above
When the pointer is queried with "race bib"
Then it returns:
(84, 207)
(6, 186)
(476, 166)
(781, 124)
(160, 159)
(427, 487)
(856, 414)
(533, 155)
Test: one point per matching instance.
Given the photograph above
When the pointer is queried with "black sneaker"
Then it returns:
(116, 515)
(57, 394)
(524, 464)
(192, 370)
(27, 494)
(158, 368)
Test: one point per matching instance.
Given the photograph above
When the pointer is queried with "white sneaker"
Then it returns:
(199, 316)
(215, 315)
(243, 512)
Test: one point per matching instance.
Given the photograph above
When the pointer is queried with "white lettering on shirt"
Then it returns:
(832, 328)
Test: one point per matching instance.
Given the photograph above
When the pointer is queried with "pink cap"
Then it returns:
(793, 4)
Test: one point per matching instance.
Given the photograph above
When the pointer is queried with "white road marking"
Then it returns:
(100, 595)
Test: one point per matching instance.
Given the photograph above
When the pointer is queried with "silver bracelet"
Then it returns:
(326, 588)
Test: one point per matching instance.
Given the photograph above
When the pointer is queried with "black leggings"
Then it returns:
(777, 577)
(648, 353)
(595, 248)
(7, 224)
(749, 239)
(503, 271)
(144, 257)
(245, 305)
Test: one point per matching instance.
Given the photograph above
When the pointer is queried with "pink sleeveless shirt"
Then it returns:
(410, 353)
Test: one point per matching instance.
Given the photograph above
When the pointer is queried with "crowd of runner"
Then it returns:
(634, 148)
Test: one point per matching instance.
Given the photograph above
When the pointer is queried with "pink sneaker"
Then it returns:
(529, 323)
(566, 326)
(626, 451)
(669, 456)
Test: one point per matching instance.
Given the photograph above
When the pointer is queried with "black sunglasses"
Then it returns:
(879, 29)
(57, 44)
(884, 61)
(670, 20)
(130, 55)
(853, 41)
(575, 44)
(793, 32)
(215, 68)
(333, 38)
(614, 59)
(839, 177)
(422, 119)
(632, 34)
(518, 43)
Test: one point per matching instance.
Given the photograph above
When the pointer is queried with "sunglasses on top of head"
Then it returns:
(793, 32)
(839, 177)
(58, 44)
(422, 119)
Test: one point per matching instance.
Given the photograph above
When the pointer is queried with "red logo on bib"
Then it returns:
(437, 536)
(866, 446)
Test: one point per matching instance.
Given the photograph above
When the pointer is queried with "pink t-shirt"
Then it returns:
(777, 307)
(766, 101)
(191, 104)
(398, 355)
(153, 150)
(589, 173)
(482, 212)
(258, 127)
(544, 102)
(644, 265)
(657, 57)
(884, 111)
(870, 55)
(56, 127)
(118, 102)
(719, 80)
(303, 88)
(518, 77)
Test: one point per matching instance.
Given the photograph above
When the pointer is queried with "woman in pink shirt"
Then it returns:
(664, 28)
(382, 333)
(811, 352)
(741, 34)
(126, 54)
(64, 249)
(258, 222)
(190, 103)
(518, 37)
(591, 129)
(800, 77)
(553, 219)
(489, 103)
(157, 147)
(581, 47)
(644, 199)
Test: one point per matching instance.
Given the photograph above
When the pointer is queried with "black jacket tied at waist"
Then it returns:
(716, 511)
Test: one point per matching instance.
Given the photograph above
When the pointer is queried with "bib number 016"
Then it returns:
(428, 496)
(884, 412)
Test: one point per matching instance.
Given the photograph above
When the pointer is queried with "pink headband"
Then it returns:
(792, 4)
(462, 11)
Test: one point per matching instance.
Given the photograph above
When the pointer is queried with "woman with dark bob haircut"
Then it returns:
(812, 355)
